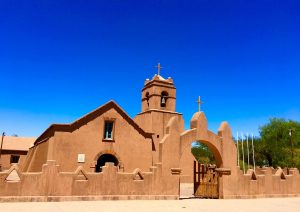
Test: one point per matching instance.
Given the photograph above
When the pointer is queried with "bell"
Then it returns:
(163, 101)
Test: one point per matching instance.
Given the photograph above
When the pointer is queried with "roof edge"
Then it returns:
(49, 132)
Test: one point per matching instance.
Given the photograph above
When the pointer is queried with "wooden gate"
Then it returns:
(206, 181)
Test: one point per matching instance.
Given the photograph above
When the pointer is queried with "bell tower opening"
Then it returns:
(147, 99)
(163, 101)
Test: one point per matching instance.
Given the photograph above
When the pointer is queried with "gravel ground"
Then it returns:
(268, 204)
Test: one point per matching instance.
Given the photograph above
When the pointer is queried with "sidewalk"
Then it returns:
(190, 205)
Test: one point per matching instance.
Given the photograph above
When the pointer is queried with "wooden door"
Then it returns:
(206, 181)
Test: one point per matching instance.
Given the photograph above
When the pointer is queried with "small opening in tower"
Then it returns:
(147, 98)
(164, 97)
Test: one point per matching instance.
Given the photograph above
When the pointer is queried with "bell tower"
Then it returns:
(158, 107)
(159, 94)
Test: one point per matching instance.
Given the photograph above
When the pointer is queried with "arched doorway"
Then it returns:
(199, 160)
(205, 177)
(221, 146)
(104, 158)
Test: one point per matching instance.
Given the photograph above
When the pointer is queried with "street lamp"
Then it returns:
(292, 146)
(3, 134)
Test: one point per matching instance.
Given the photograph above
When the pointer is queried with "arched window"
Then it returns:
(105, 158)
(163, 100)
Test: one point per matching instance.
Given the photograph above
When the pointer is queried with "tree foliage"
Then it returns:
(276, 147)
(280, 142)
(202, 153)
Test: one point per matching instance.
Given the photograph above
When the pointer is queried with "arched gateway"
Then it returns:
(204, 177)
(221, 145)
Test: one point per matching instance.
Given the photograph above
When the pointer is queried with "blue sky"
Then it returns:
(61, 59)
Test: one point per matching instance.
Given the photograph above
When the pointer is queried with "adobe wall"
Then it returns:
(130, 147)
(25, 165)
(53, 185)
(38, 156)
(5, 161)
(156, 122)
(169, 147)
(265, 182)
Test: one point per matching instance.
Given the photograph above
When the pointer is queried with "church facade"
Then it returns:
(108, 155)
(108, 134)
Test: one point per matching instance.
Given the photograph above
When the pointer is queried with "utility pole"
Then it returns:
(3, 134)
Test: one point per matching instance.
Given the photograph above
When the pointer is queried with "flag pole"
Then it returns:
(253, 153)
(243, 152)
(238, 151)
(248, 151)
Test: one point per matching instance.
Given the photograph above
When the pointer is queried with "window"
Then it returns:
(14, 158)
(108, 130)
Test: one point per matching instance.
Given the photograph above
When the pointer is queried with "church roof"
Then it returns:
(159, 78)
(17, 143)
(88, 117)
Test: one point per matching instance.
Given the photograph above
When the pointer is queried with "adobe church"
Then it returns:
(108, 134)
(108, 155)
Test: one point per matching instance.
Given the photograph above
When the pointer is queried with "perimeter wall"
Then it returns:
(53, 185)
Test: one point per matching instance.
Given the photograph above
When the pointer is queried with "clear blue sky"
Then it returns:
(61, 59)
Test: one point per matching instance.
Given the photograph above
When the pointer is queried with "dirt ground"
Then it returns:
(243, 205)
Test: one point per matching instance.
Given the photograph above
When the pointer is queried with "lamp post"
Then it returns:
(292, 147)
(3, 134)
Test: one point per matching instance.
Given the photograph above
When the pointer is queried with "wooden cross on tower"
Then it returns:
(158, 68)
(199, 104)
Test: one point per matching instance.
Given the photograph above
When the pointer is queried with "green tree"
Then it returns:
(277, 146)
(202, 153)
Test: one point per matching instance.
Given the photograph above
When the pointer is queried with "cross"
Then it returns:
(199, 103)
(158, 68)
